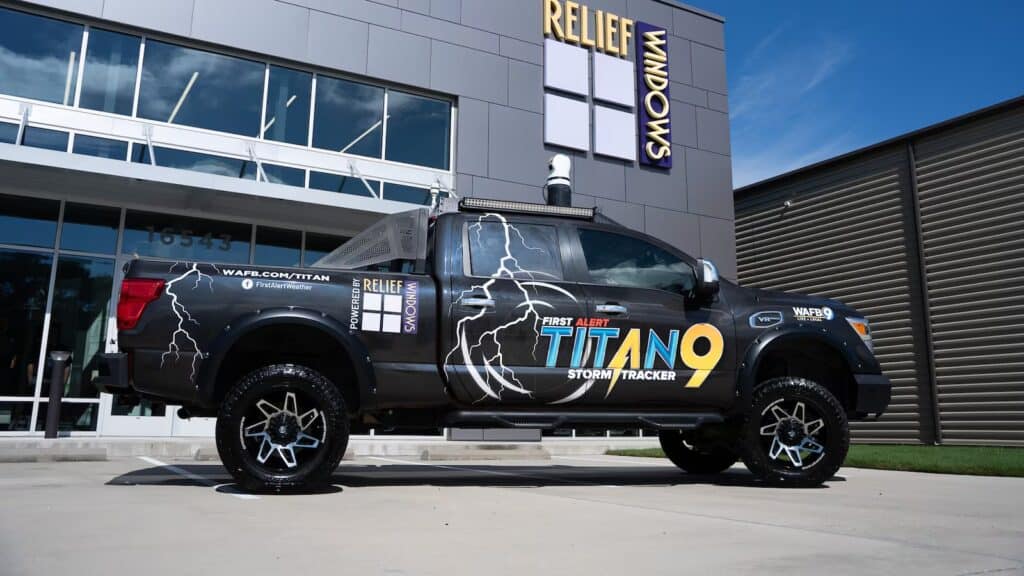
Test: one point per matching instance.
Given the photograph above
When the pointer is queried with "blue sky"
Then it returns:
(809, 80)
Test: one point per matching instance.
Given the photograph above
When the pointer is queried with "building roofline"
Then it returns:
(695, 10)
(912, 135)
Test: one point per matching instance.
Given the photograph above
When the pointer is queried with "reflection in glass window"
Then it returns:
(90, 228)
(285, 175)
(77, 416)
(343, 184)
(38, 57)
(320, 245)
(81, 307)
(15, 416)
(619, 260)
(401, 193)
(287, 116)
(197, 162)
(8, 133)
(100, 147)
(196, 88)
(108, 83)
(28, 221)
(185, 238)
(35, 137)
(277, 247)
(349, 117)
(24, 281)
(535, 248)
(418, 130)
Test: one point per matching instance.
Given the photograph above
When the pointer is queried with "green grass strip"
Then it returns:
(977, 460)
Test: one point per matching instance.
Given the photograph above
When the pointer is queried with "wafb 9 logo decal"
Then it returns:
(700, 348)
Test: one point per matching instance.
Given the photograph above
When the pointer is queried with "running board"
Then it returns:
(552, 420)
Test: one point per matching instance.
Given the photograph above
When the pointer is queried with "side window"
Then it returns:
(514, 250)
(619, 260)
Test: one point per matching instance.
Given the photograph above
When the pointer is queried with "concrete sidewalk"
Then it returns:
(14, 449)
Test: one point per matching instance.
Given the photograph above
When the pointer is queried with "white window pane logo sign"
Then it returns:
(382, 313)
(591, 85)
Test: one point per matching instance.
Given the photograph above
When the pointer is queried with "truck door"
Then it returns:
(653, 345)
(507, 286)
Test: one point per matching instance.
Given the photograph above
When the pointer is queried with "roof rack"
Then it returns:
(510, 206)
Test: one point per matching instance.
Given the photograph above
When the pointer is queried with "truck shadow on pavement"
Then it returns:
(454, 475)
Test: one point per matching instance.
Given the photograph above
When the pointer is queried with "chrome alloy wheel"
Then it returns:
(280, 430)
(797, 435)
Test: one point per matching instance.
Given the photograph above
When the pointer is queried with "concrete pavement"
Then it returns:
(569, 515)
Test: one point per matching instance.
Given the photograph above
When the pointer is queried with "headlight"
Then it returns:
(861, 327)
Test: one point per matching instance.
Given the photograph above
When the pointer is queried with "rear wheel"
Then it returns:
(795, 434)
(695, 459)
(282, 427)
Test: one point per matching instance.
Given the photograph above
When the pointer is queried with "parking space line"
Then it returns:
(227, 489)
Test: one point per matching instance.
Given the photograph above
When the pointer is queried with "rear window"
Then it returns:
(511, 250)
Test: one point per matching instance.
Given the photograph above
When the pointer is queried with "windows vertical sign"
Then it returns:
(654, 118)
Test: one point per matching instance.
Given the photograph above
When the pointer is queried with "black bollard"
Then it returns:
(60, 361)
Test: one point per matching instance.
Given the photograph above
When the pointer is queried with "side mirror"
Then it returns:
(707, 281)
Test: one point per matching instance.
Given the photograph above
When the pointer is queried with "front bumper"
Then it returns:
(116, 379)
(873, 393)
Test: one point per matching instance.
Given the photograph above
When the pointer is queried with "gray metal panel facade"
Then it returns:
(971, 185)
(486, 54)
(925, 234)
(843, 236)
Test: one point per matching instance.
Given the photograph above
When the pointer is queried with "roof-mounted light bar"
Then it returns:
(487, 205)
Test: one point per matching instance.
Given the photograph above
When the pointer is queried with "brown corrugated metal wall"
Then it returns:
(925, 235)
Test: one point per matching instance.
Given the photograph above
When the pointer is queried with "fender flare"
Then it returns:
(241, 326)
(746, 373)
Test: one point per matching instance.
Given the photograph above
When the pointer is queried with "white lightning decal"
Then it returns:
(184, 317)
(494, 367)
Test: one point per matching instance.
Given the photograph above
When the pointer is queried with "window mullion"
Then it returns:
(138, 78)
(81, 66)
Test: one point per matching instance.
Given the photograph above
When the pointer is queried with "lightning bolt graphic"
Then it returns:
(494, 367)
(184, 317)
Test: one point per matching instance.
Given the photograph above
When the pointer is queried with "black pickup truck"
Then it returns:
(496, 314)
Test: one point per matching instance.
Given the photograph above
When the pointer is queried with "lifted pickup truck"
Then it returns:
(497, 314)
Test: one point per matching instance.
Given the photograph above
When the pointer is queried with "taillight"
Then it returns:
(136, 293)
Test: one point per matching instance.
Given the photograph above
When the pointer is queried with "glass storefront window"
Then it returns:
(90, 228)
(15, 416)
(28, 221)
(320, 245)
(202, 89)
(78, 320)
(108, 82)
(24, 282)
(8, 133)
(74, 416)
(45, 138)
(100, 147)
(198, 162)
(287, 115)
(277, 247)
(38, 57)
(349, 117)
(419, 129)
(343, 184)
(401, 193)
(185, 238)
(285, 175)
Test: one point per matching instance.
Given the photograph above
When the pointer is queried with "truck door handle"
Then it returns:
(611, 309)
(478, 302)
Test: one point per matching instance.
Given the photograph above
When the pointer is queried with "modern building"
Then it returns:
(925, 234)
(267, 131)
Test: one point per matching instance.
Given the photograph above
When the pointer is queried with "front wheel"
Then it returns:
(795, 434)
(282, 427)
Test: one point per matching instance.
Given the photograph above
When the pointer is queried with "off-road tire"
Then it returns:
(695, 460)
(279, 378)
(836, 441)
